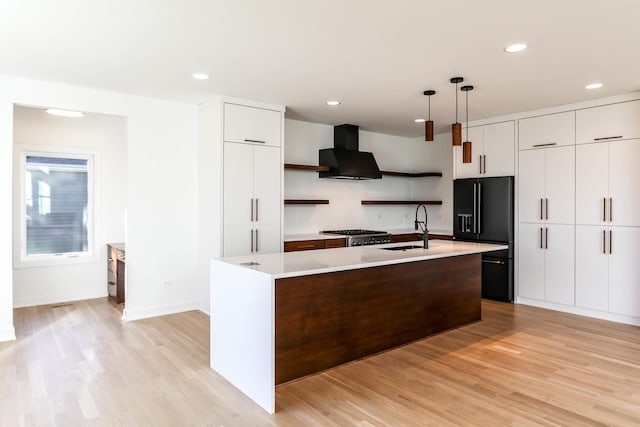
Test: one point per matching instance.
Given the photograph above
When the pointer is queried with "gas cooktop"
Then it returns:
(354, 232)
(360, 237)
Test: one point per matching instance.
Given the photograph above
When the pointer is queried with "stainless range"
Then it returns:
(362, 237)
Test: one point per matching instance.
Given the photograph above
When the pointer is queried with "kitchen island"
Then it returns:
(278, 317)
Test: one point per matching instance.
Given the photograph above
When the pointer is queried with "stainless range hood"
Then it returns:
(344, 160)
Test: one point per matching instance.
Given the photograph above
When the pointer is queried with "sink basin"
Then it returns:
(402, 248)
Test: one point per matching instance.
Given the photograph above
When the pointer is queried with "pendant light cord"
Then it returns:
(456, 102)
(429, 107)
(467, 93)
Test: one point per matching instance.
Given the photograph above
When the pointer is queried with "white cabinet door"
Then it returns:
(531, 262)
(560, 185)
(268, 238)
(499, 149)
(559, 264)
(531, 176)
(266, 189)
(237, 240)
(592, 183)
(470, 170)
(624, 182)
(592, 267)
(553, 129)
(237, 184)
(252, 125)
(614, 121)
(624, 271)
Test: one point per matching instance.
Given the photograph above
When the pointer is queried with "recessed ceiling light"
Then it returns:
(200, 76)
(333, 103)
(593, 86)
(516, 47)
(419, 120)
(64, 113)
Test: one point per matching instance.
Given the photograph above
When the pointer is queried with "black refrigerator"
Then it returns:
(483, 212)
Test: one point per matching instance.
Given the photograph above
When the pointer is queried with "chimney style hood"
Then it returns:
(344, 160)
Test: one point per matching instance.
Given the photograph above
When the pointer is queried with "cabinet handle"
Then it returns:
(610, 209)
(305, 246)
(607, 137)
(493, 262)
(541, 241)
(546, 208)
(257, 246)
(541, 209)
(255, 140)
(610, 241)
(257, 209)
(484, 156)
(251, 241)
(544, 145)
(604, 209)
(480, 160)
(604, 241)
(251, 209)
(546, 238)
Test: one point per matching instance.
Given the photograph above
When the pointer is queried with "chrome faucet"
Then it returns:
(422, 225)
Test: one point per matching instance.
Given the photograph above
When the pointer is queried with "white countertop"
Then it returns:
(320, 236)
(303, 263)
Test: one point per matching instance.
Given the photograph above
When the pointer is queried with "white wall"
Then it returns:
(393, 153)
(104, 137)
(162, 152)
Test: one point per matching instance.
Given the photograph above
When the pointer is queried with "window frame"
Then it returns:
(21, 259)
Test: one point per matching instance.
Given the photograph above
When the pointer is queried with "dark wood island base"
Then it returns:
(328, 319)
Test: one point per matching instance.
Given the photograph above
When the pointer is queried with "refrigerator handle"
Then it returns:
(475, 206)
(479, 208)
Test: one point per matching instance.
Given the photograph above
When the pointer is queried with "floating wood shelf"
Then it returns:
(306, 167)
(401, 202)
(305, 202)
(411, 174)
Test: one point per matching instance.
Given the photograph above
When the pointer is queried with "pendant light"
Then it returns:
(428, 125)
(456, 128)
(466, 146)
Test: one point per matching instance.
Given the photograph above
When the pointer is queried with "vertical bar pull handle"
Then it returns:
(251, 241)
(546, 238)
(541, 210)
(610, 209)
(475, 206)
(604, 241)
(541, 241)
(484, 156)
(610, 241)
(257, 211)
(257, 244)
(480, 161)
(604, 209)
(479, 229)
(251, 209)
(546, 208)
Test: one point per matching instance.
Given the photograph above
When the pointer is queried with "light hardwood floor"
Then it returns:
(79, 364)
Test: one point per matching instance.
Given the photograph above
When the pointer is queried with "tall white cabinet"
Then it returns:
(252, 180)
(579, 211)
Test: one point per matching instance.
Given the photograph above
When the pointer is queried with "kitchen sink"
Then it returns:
(402, 248)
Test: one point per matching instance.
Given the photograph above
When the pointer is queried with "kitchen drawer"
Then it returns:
(335, 243)
(252, 125)
(303, 245)
(408, 237)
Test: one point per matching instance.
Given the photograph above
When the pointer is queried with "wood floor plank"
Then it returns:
(80, 364)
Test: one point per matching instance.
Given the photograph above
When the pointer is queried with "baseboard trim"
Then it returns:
(159, 310)
(7, 334)
(59, 298)
(619, 318)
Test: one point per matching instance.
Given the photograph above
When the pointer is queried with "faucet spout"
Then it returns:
(422, 226)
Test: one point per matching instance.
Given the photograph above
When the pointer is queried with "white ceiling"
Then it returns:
(375, 56)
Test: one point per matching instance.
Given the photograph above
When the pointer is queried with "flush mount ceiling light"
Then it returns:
(428, 125)
(64, 113)
(333, 103)
(419, 120)
(466, 146)
(456, 128)
(516, 47)
(200, 76)
(593, 86)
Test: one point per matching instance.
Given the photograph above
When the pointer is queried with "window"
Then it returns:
(57, 208)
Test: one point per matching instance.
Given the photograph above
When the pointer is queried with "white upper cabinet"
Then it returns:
(608, 122)
(252, 125)
(546, 131)
(492, 151)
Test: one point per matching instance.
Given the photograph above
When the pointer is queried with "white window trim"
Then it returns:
(21, 259)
